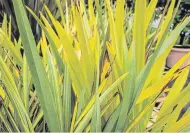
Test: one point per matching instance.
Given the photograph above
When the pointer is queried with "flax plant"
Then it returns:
(99, 69)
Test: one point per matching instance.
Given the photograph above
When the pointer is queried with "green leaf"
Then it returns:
(67, 101)
(80, 127)
(13, 94)
(38, 73)
(96, 117)
(26, 84)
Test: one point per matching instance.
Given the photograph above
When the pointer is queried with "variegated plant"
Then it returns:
(100, 69)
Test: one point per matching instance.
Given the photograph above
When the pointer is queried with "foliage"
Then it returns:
(184, 39)
(6, 7)
(101, 69)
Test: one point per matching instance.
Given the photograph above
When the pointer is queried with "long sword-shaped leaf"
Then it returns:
(139, 33)
(150, 11)
(80, 127)
(39, 76)
(26, 84)
(13, 94)
(96, 117)
(67, 101)
(165, 44)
